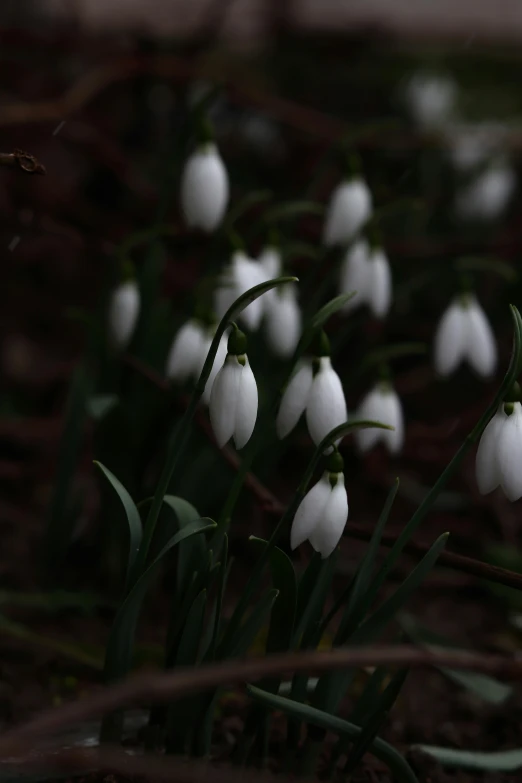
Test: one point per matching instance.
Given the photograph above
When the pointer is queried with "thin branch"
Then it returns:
(168, 686)
(23, 161)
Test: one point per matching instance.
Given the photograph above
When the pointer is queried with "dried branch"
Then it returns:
(167, 686)
(23, 161)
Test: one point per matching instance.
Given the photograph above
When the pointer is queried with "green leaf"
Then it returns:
(481, 685)
(305, 589)
(99, 405)
(133, 519)
(246, 634)
(223, 576)
(192, 551)
(329, 309)
(484, 264)
(187, 652)
(500, 761)
(397, 765)
(309, 626)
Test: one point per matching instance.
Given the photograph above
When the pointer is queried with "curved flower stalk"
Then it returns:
(234, 399)
(317, 390)
(349, 209)
(499, 455)
(367, 271)
(487, 196)
(382, 403)
(242, 274)
(322, 514)
(464, 334)
(124, 309)
(283, 322)
(204, 188)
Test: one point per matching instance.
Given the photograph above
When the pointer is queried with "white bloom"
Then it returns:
(326, 406)
(349, 209)
(499, 455)
(487, 196)
(283, 321)
(204, 188)
(270, 261)
(233, 402)
(354, 273)
(431, 99)
(464, 333)
(240, 275)
(471, 145)
(184, 357)
(123, 313)
(381, 404)
(321, 516)
(379, 283)
(320, 395)
(221, 355)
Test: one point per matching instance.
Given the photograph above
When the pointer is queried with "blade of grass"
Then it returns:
(500, 761)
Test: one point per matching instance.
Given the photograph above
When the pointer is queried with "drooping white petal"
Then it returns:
(218, 363)
(487, 467)
(354, 274)
(224, 400)
(349, 209)
(370, 409)
(270, 260)
(184, 358)
(450, 339)
(246, 274)
(204, 188)
(123, 313)
(379, 284)
(510, 454)
(392, 414)
(294, 400)
(326, 407)
(246, 411)
(327, 533)
(283, 321)
(310, 511)
(481, 346)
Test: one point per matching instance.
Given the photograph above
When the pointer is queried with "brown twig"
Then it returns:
(23, 161)
(167, 686)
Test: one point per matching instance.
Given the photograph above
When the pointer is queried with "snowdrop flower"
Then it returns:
(184, 357)
(283, 320)
(322, 514)
(124, 310)
(233, 399)
(381, 404)
(349, 209)
(366, 271)
(487, 196)
(241, 274)
(218, 361)
(499, 455)
(204, 188)
(317, 390)
(271, 262)
(431, 99)
(464, 333)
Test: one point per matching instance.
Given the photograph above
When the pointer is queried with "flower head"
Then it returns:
(499, 455)
(123, 313)
(283, 320)
(487, 196)
(464, 333)
(322, 514)
(184, 356)
(367, 271)
(381, 404)
(204, 188)
(234, 399)
(354, 274)
(240, 275)
(349, 209)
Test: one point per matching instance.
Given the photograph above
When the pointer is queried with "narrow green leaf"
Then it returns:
(484, 264)
(369, 698)
(329, 309)
(192, 551)
(500, 761)
(189, 645)
(133, 518)
(309, 625)
(246, 634)
(223, 575)
(481, 685)
(305, 588)
(292, 209)
(397, 765)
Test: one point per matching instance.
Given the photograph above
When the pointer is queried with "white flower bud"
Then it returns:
(204, 188)
(464, 333)
(379, 283)
(184, 357)
(124, 310)
(283, 321)
(321, 516)
(381, 404)
(349, 209)
(499, 454)
(326, 406)
(233, 402)
(354, 274)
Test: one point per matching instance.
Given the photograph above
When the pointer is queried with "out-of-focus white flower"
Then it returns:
(234, 399)
(270, 262)
(322, 514)
(381, 404)
(464, 333)
(367, 271)
(242, 274)
(431, 99)
(487, 196)
(184, 356)
(124, 310)
(295, 399)
(471, 145)
(349, 209)
(499, 455)
(204, 188)
(283, 320)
